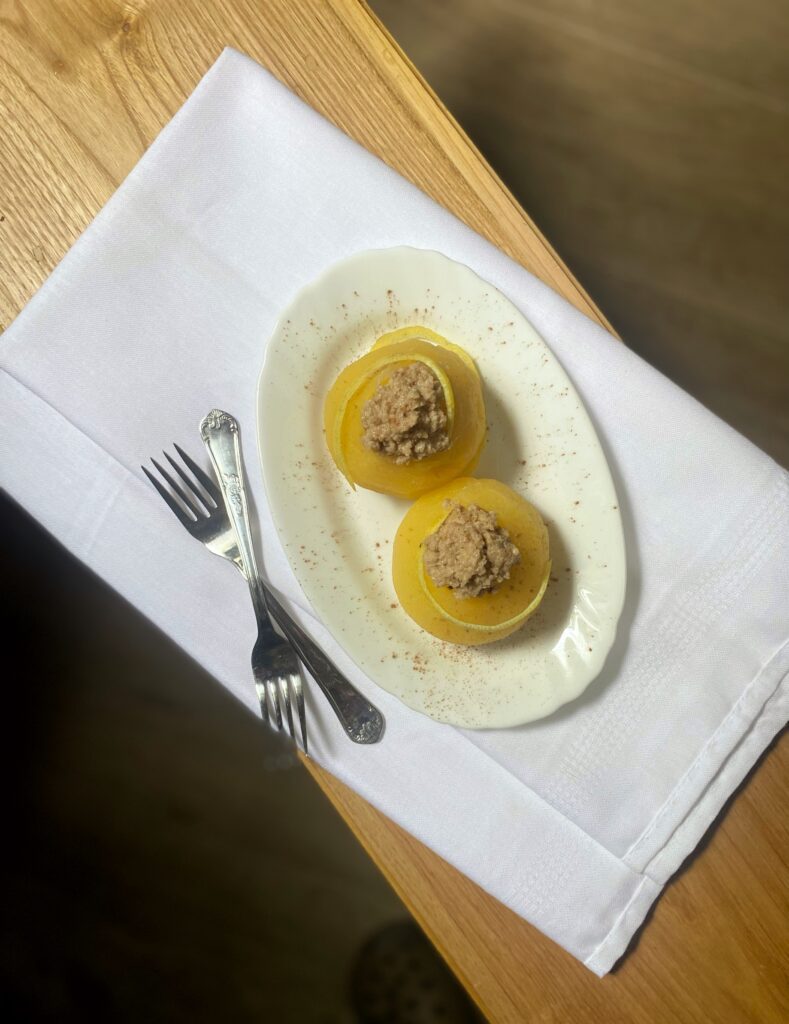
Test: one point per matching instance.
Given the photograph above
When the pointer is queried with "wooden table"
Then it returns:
(84, 88)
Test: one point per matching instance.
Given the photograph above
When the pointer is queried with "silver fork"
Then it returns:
(275, 667)
(361, 720)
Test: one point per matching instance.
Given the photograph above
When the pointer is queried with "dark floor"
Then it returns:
(164, 860)
(650, 142)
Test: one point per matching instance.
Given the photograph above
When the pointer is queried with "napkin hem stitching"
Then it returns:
(610, 935)
(698, 763)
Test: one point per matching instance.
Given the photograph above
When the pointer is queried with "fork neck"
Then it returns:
(258, 598)
(265, 625)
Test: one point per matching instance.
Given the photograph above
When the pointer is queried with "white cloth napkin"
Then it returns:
(161, 311)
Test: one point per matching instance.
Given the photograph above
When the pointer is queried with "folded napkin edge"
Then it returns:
(614, 944)
(743, 716)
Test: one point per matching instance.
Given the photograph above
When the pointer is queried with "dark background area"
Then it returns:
(650, 143)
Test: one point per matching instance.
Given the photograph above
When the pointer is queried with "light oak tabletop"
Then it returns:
(85, 86)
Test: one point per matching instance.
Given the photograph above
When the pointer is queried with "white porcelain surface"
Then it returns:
(540, 442)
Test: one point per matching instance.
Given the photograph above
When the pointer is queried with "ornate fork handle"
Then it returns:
(360, 719)
(219, 431)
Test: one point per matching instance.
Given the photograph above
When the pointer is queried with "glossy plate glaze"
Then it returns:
(540, 442)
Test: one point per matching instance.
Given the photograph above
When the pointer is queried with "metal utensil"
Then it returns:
(274, 665)
(361, 720)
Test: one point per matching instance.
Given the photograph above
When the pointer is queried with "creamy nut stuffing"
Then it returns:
(406, 418)
(469, 553)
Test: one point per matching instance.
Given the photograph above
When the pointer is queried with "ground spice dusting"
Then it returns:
(405, 418)
(469, 553)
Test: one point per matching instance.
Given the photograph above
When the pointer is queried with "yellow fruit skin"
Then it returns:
(359, 381)
(489, 617)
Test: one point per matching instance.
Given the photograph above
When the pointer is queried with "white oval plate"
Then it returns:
(540, 442)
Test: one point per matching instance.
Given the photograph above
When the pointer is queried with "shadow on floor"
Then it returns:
(155, 866)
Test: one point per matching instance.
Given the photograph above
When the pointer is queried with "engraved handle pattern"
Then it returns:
(219, 431)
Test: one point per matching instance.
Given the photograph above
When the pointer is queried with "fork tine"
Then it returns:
(284, 692)
(182, 516)
(273, 696)
(298, 688)
(261, 692)
(269, 703)
(205, 502)
(178, 490)
(210, 486)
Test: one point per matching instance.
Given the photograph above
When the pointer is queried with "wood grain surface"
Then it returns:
(84, 88)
